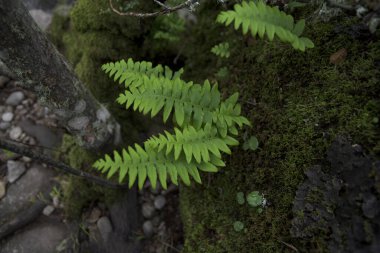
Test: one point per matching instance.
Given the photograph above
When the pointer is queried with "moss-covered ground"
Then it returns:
(298, 103)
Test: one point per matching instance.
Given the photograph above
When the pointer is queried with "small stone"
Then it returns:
(2, 189)
(15, 98)
(15, 170)
(79, 123)
(7, 116)
(26, 159)
(3, 81)
(4, 125)
(103, 114)
(42, 18)
(15, 133)
(56, 201)
(148, 228)
(80, 106)
(48, 210)
(105, 227)
(148, 210)
(94, 215)
(159, 202)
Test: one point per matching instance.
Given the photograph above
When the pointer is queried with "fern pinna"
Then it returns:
(261, 19)
(204, 125)
(222, 50)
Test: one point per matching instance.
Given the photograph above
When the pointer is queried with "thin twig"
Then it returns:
(165, 10)
(19, 149)
(288, 245)
(170, 246)
(161, 4)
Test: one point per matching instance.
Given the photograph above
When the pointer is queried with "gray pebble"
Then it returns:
(2, 189)
(48, 210)
(15, 170)
(148, 228)
(7, 116)
(15, 98)
(159, 202)
(148, 210)
(79, 123)
(15, 133)
(105, 227)
(56, 201)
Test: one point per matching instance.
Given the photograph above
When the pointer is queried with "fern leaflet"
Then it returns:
(261, 19)
(222, 50)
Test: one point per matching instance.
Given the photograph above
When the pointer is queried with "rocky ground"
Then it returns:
(31, 190)
(32, 217)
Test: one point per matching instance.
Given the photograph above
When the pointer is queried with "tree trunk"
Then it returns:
(28, 56)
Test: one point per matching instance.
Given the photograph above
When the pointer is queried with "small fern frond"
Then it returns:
(221, 50)
(131, 73)
(195, 144)
(139, 164)
(192, 103)
(261, 19)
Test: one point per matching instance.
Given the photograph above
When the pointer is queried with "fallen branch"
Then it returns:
(27, 151)
(165, 9)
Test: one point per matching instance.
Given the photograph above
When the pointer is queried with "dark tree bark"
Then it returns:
(27, 55)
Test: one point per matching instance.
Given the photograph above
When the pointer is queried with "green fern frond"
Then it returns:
(191, 103)
(222, 50)
(261, 19)
(204, 124)
(195, 144)
(131, 73)
(139, 164)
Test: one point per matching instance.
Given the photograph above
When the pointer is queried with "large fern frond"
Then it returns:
(204, 120)
(191, 103)
(261, 19)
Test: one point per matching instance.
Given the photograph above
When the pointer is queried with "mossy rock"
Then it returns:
(298, 103)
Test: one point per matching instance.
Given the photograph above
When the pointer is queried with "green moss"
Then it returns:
(302, 103)
(79, 193)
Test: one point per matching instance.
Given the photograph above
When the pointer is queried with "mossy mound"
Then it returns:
(93, 35)
(298, 103)
(78, 193)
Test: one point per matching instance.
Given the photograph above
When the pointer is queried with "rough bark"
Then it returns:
(28, 56)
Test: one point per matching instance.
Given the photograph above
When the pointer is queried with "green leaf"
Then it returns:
(254, 199)
(152, 175)
(141, 176)
(298, 28)
(238, 226)
(182, 172)
(179, 113)
(252, 143)
(240, 198)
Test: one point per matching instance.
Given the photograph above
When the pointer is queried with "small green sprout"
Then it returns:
(238, 226)
(240, 198)
(252, 143)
